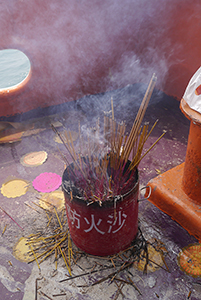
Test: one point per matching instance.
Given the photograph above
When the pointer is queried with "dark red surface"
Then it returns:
(95, 229)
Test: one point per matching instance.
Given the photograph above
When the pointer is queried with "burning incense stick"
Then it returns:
(139, 117)
(112, 108)
(133, 166)
(104, 171)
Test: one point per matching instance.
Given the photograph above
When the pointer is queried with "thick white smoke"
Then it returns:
(80, 47)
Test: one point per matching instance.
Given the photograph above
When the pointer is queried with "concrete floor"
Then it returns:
(18, 279)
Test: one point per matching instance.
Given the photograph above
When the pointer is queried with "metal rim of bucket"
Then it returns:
(116, 199)
(149, 194)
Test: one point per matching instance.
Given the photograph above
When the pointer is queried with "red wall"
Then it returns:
(86, 47)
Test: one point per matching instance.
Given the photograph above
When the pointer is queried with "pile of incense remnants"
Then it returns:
(106, 167)
(54, 239)
(117, 268)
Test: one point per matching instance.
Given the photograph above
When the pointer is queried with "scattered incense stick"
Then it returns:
(164, 261)
(85, 274)
(113, 263)
(31, 207)
(189, 294)
(69, 270)
(134, 285)
(44, 246)
(119, 291)
(114, 274)
(56, 260)
(36, 287)
(45, 295)
(155, 263)
(34, 256)
(58, 218)
(130, 282)
(39, 206)
(50, 219)
(11, 218)
(4, 230)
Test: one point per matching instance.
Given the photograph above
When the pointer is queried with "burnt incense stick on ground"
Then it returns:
(54, 240)
(10, 218)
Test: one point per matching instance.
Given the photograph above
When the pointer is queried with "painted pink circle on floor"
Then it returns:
(47, 182)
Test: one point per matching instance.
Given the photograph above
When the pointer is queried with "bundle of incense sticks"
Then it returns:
(107, 168)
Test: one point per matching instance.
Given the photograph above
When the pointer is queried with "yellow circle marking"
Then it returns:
(154, 256)
(14, 188)
(21, 250)
(53, 199)
(34, 158)
(189, 260)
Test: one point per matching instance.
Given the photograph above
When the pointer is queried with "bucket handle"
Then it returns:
(146, 198)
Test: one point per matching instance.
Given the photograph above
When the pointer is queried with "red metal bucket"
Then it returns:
(103, 230)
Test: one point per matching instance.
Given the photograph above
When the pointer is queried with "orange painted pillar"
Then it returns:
(177, 192)
(191, 181)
